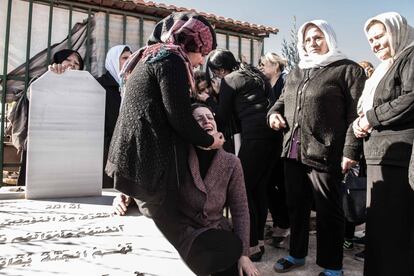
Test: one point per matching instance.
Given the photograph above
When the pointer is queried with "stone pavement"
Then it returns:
(80, 236)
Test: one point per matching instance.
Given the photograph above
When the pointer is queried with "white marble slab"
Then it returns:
(65, 136)
(81, 236)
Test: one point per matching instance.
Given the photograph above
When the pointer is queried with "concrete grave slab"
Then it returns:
(81, 236)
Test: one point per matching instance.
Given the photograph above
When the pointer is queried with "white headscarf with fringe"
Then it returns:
(401, 37)
(312, 61)
(112, 61)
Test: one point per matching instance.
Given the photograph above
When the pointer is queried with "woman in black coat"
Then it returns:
(386, 123)
(243, 94)
(273, 66)
(115, 59)
(315, 111)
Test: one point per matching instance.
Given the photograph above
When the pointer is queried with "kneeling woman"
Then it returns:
(214, 179)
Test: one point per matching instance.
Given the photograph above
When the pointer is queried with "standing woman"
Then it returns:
(111, 81)
(387, 124)
(316, 111)
(243, 94)
(273, 66)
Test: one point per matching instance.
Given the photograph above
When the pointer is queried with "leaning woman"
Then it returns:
(316, 111)
(149, 147)
(386, 123)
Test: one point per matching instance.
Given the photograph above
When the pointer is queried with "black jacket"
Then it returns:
(155, 118)
(321, 103)
(392, 117)
(112, 103)
(241, 96)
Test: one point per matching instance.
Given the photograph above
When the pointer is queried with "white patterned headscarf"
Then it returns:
(112, 61)
(401, 37)
(312, 61)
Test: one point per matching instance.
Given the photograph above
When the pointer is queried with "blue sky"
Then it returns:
(347, 17)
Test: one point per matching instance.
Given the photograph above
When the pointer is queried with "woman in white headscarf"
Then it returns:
(315, 110)
(115, 59)
(386, 121)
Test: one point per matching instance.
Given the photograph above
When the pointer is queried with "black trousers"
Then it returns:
(276, 196)
(256, 157)
(390, 222)
(215, 252)
(304, 184)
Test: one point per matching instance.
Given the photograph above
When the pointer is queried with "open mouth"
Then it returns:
(208, 128)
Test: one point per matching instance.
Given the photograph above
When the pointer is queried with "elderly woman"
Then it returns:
(243, 94)
(315, 110)
(386, 122)
(111, 81)
(214, 180)
(273, 66)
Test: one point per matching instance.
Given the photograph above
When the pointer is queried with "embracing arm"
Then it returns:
(173, 82)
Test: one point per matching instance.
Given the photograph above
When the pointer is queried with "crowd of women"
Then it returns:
(300, 132)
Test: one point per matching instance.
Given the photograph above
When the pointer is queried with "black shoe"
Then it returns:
(277, 241)
(262, 249)
(256, 257)
(360, 240)
(360, 256)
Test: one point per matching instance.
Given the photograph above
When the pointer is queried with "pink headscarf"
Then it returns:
(176, 33)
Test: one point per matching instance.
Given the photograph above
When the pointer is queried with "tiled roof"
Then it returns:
(161, 10)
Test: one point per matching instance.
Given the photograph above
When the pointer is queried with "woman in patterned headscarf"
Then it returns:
(149, 147)
(386, 122)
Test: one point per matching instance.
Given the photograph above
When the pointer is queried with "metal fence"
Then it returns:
(23, 22)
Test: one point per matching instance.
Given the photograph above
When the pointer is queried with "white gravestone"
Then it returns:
(65, 136)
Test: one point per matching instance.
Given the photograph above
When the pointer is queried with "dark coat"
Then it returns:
(392, 117)
(202, 200)
(154, 127)
(321, 103)
(112, 103)
(240, 95)
(411, 169)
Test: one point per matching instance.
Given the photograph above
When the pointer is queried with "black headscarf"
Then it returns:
(62, 55)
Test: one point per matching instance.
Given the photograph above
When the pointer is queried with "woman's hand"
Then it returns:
(361, 127)
(218, 140)
(215, 84)
(120, 204)
(58, 68)
(347, 163)
(246, 265)
(203, 96)
(276, 121)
